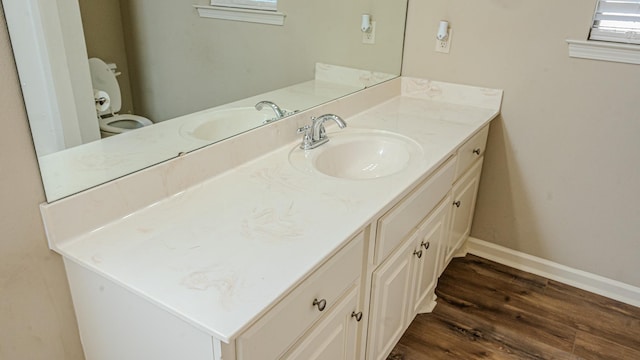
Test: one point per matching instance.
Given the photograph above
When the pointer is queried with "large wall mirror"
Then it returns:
(192, 72)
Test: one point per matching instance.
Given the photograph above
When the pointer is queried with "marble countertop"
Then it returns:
(220, 253)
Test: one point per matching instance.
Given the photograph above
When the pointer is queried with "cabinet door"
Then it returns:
(464, 202)
(431, 234)
(390, 302)
(335, 337)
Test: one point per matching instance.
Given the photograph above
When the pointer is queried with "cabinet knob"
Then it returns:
(426, 245)
(418, 253)
(321, 304)
(357, 315)
(457, 203)
(477, 151)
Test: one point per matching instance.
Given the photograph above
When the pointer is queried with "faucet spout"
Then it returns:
(318, 130)
(279, 112)
(315, 134)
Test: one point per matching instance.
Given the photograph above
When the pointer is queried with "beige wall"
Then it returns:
(562, 174)
(182, 63)
(36, 315)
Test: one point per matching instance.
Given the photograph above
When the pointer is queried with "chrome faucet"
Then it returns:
(315, 134)
(279, 112)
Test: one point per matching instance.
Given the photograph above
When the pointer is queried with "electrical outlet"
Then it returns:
(443, 46)
(370, 37)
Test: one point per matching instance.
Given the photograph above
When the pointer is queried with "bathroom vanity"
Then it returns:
(275, 258)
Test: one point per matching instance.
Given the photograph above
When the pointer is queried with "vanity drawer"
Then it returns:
(281, 327)
(471, 150)
(403, 218)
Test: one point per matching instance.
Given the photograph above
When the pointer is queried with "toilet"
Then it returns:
(104, 82)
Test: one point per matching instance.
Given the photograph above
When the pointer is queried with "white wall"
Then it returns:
(37, 321)
(562, 172)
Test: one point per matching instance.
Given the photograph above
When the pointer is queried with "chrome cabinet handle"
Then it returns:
(477, 151)
(426, 245)
(321, 304)
(418, 253)
(357, 315)
(457, 203)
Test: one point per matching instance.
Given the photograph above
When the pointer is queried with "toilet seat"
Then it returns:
(104, 79)
(126, 122)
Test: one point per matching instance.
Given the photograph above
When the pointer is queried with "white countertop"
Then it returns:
(220, 253)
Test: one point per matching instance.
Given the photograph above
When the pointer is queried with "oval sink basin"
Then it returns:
(359, 155)
(221, 124)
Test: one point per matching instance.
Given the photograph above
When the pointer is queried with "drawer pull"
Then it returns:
(457, 203)
(426, 245)
(321, 304)
(477, 151)
(418, 253)
(357, 315)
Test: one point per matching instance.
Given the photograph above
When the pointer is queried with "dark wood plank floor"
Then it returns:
(490, 311)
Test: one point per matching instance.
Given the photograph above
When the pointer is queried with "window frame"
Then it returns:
(264, 5)
(606, 45)
(616, 21)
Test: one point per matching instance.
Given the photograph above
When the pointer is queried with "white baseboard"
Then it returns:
(581, 279)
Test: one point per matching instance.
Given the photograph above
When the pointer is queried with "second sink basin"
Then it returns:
(359, 155)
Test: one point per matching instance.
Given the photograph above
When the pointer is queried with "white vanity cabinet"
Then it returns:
(315, 318)
(405, 281)
(464, 193)
(416, 239)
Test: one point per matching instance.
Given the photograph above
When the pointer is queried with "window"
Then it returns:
(249, 4)
(617, 21)
(253, 11)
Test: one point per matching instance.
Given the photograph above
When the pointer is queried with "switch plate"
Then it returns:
(370, 37)
(443, 46)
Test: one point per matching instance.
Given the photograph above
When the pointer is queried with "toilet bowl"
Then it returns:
(111, 123)
(117, 124)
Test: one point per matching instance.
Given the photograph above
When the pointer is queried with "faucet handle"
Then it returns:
(307, 137)
(305, 129)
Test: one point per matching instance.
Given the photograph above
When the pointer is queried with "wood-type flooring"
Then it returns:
(490, 311)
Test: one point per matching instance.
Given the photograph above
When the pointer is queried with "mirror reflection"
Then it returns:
(152, 79)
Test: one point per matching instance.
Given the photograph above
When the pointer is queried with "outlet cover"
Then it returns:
(443, 46)
(370, 37)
